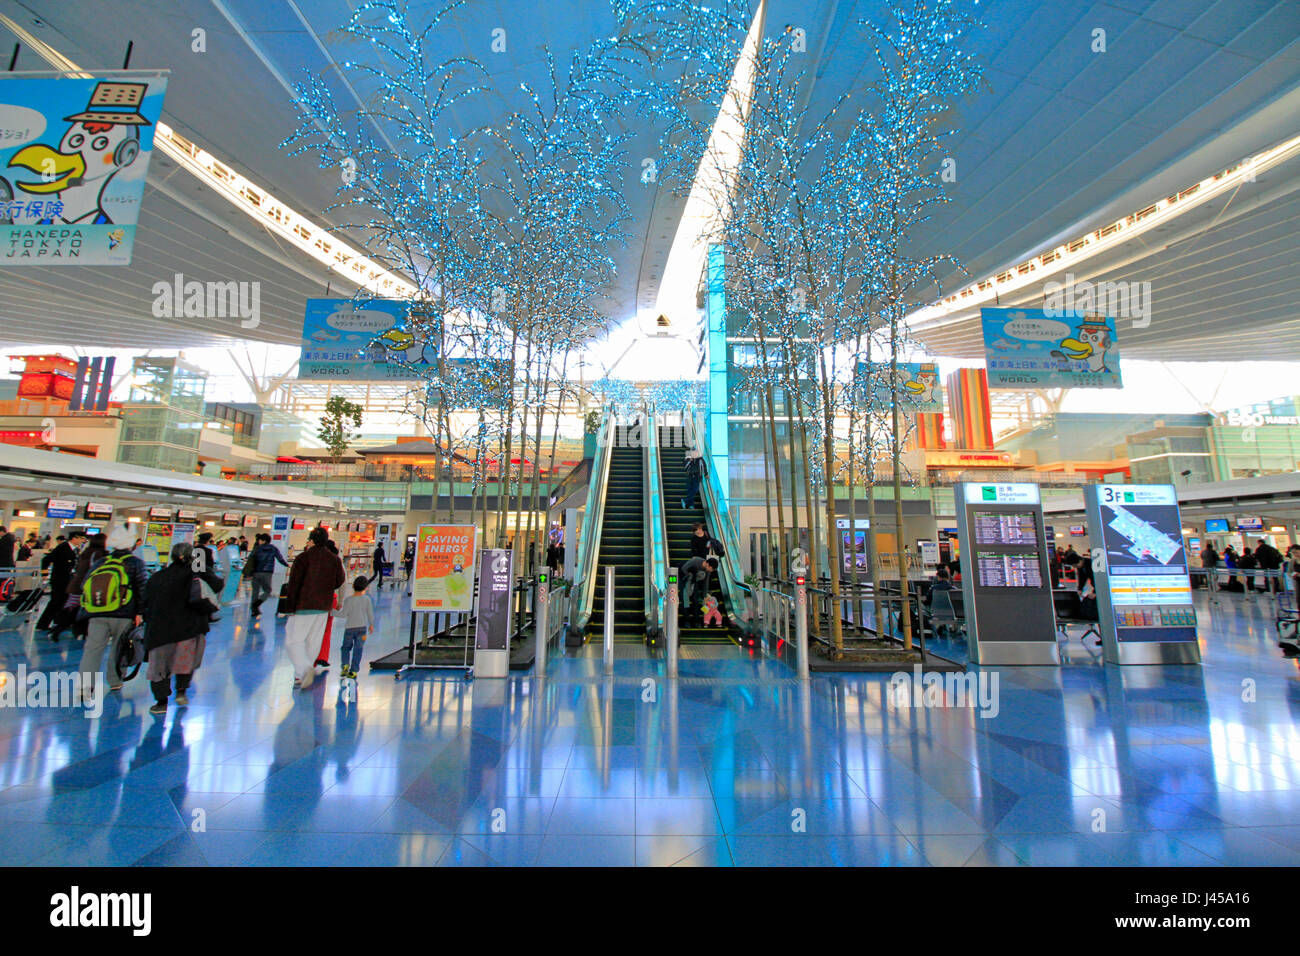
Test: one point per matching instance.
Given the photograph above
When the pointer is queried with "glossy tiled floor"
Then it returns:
(736, 764)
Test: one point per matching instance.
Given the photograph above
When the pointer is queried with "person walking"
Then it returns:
(314, 576)
(113, 598)
(358, 622)
(379, 562)
(176, 631)
(61, 561)
(262, 560)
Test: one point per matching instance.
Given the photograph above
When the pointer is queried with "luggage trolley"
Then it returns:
(1288, 623)
(21, 590)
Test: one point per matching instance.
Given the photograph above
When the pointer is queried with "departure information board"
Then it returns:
(1015, 527)
(1009, 569)
(1006, 594)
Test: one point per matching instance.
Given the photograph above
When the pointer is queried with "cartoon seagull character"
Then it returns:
(1089, 345)
(922, 387)
(402, 346)
(98, 144)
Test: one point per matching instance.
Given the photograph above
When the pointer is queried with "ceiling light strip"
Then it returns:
(1071, 254)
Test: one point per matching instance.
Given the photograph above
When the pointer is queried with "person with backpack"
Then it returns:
(380, 562)
(112, 596)
(694, 468)
(175, 628)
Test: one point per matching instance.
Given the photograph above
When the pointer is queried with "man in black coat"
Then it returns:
(1270, 559)
(61, 561)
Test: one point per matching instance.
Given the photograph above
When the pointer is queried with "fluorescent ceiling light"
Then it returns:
(1070, 255)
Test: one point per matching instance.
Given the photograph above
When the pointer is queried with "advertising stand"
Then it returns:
(442, 582)
(1005, 580)
(492, 621)
(1144, 593)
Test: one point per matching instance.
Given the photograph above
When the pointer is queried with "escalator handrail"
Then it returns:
(656, 549)
(584, 568)
(717, 515)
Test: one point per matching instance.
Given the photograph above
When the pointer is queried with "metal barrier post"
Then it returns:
(609, 619)
(670, 621)
(801, 624)
(541, 624)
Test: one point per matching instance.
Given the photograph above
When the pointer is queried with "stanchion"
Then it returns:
(609, 619)
(541, 625)
(670, 621)
(801, 624)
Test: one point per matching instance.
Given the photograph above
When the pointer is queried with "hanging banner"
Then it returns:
(917, 385)
(444, 567)
(364, 339)
(1028, 348)
(73, 157)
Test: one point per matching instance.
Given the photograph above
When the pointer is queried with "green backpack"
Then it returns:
(107, 588)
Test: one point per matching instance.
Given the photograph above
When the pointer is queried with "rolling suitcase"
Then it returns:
(280, 609)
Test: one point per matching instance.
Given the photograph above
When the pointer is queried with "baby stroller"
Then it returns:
(1288, 624)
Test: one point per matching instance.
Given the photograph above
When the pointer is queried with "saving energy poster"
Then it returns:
(74, 153)
(1029, 348)
(444, 568)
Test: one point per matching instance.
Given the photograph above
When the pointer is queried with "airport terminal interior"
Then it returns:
(647, 433)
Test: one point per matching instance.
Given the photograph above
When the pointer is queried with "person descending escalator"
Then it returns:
(694, 468)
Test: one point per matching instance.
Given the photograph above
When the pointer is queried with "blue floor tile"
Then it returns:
(737, 764)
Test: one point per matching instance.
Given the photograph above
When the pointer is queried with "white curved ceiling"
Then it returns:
(1061, 141)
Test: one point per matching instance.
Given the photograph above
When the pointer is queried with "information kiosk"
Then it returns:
(1005, 580)
(1139, 564)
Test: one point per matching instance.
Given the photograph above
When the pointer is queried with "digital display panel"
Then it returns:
(98, 511)
(1016, 569)
(230, 520)
(1005, 527)
(161, 513)
(1216, 526)
(1146, 563)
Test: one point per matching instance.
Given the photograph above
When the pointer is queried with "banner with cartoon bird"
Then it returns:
(1027, 348)
(74, 153)
(917, 386)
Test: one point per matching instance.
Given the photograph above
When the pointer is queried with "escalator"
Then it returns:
(679, 525)
(622, 544)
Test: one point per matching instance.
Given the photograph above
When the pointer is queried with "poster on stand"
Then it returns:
(158, 535)
(1029, 348)
(74, 152)
(444, 568)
